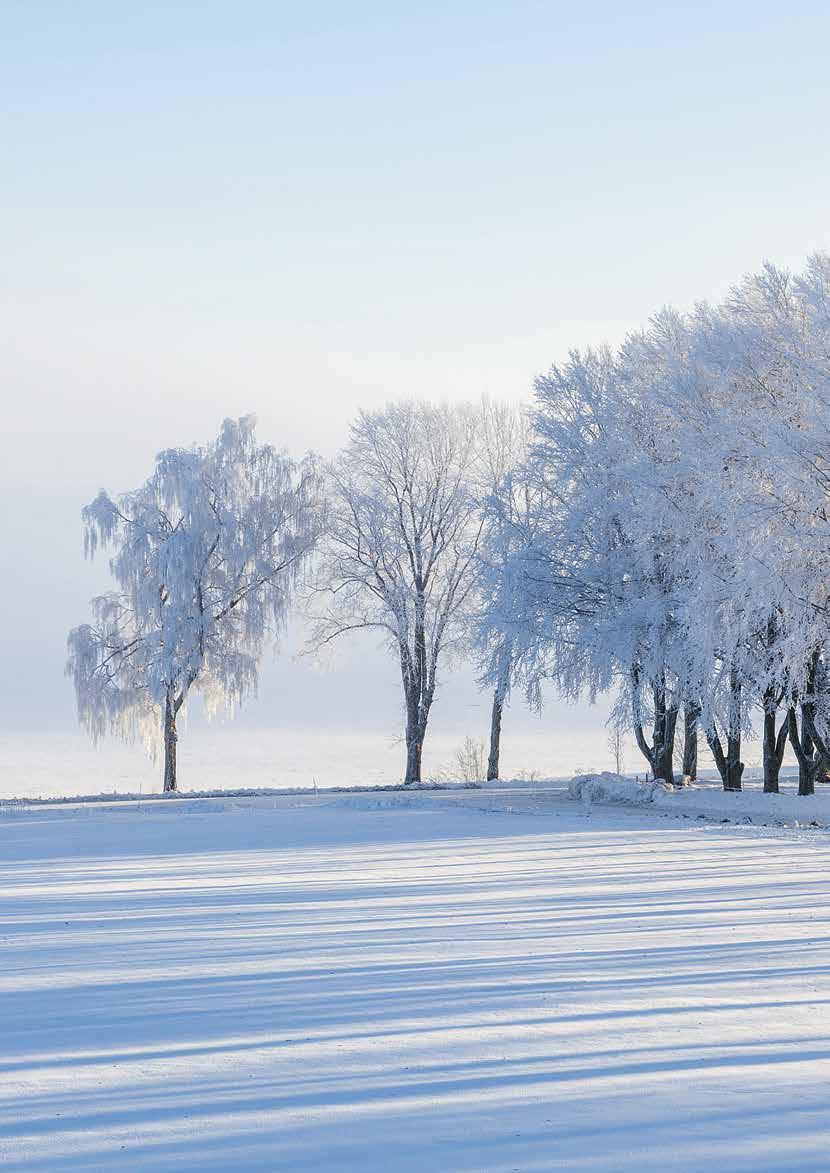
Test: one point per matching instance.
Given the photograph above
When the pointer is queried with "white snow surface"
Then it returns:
(608, 787)
(411, 982)
(708, 800)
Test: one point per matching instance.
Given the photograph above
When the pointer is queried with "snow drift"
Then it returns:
(702, 801)
(609, 787)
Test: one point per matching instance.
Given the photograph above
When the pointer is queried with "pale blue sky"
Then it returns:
(217, 208)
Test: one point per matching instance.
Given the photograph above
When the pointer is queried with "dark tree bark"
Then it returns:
(170, 740)
(418, 672)
(774, 742)
(729, 764)
(691, 718)
(660, 754)
(414, 749)
(417, 711)
(664, 745)
(495, 737)
(810, 747)
(499, 694)
(805, 752)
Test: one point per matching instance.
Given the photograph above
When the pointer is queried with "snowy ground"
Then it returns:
(220, 756)
(383, 983)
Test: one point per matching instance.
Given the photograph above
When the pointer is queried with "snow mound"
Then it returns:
(704, 801)
(608, 787)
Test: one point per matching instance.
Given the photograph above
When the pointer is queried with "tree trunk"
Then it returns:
(418, 691)
(805, 754)
(664, 760)
(499, 694)
(691, 716)
(730, 766)
(806, 778)
(415, 730)
(813, 745)
(774, 743)
(660, 754)
(170, 739)
(413, 761)
(665, 723)
(772, 768)
(734, 765)
(495, 737)
(414, 750)
(806, 763)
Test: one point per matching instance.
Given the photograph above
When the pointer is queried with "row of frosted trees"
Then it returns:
(655, 525)
(676, 545)
(212, 552)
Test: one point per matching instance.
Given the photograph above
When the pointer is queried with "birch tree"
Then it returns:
(205, 556)
(400, 554)
(507, 506)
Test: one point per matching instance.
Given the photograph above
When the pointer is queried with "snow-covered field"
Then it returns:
(219, 757)
(415, 983)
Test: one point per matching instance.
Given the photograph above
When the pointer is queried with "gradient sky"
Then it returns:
(210, 209)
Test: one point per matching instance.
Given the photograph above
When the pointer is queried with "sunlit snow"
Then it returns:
(351, 986)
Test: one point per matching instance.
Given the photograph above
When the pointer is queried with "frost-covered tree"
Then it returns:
(616, 747)
(599, 573)
(205, 555)
(539, 590)
(782, 329)
(507, 505)
(679, 554)
(399, 556)
(765, 462)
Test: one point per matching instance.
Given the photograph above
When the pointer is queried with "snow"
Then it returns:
(375, 982)
(608, 787)
(221, 757)
(706, 800)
